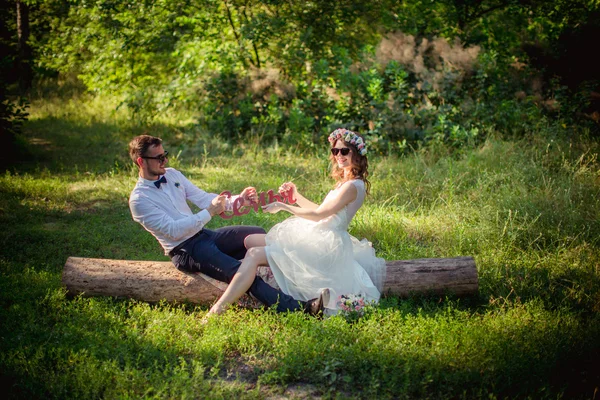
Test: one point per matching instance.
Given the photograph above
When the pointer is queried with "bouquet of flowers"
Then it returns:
(351, 304)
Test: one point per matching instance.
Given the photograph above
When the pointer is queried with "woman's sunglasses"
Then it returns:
(343, 150)
(161, 157)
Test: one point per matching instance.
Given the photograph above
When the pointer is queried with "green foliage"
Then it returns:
(13, 114)
(402, 73)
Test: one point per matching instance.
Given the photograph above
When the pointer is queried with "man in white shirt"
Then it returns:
(159, 203)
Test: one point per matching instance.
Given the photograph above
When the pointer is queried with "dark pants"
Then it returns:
(217, 253)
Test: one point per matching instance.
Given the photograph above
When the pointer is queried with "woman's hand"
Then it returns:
(286, 187)
(274, 207)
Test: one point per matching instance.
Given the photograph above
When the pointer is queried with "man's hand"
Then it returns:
(217, 205)
(249, 196)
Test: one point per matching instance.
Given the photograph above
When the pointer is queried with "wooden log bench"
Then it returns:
(153, 281)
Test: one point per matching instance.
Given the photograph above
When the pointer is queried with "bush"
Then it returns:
(407, 92)
(13, 113)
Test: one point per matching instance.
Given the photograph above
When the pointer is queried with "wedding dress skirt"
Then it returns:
(306, 257)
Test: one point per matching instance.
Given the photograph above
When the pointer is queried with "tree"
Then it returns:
(23, 48)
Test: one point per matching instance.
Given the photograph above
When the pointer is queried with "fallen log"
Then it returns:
(431, 276)
(153, 281)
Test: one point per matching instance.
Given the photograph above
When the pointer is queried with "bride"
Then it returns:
(312, 254)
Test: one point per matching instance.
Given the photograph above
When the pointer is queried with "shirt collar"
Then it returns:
(145, 182)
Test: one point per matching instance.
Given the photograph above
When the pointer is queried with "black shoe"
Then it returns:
(315, 306)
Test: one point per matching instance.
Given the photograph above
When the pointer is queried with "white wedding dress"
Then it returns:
(306, 256)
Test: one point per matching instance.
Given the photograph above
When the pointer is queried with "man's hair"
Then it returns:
(139, 145)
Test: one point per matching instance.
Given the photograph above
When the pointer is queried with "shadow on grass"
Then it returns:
(69, 145)
(558, 285)
(437, 354)
(34, 236)
(53, 347)
(94, 347)
(90, 348)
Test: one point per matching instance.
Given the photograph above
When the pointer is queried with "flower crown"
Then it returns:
(350, 137)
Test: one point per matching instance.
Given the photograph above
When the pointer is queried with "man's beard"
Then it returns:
(157, 171)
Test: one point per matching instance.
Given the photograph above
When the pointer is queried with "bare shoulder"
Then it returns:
(348, 191)
(352, 185)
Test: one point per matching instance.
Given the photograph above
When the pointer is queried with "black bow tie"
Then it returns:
(161, 180)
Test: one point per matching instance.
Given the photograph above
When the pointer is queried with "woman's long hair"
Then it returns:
(360, 167)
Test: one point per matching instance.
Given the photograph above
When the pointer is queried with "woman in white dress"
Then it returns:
(312, 253)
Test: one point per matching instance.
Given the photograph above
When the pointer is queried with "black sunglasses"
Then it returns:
(161, 157)
(344, 151)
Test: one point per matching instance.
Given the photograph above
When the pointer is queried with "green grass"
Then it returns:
(527, 210)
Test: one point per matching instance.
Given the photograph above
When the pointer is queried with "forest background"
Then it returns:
(482, 119)
(402, 73)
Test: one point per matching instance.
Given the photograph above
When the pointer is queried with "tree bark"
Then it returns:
(431, 276)
(153, 281)
(24, 51)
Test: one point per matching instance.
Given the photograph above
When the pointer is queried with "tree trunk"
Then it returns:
(431, 275)
(24, 51)
(153, 280)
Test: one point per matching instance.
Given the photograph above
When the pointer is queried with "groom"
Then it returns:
(159, 203)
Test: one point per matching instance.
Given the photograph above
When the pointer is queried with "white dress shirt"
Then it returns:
(164, 211)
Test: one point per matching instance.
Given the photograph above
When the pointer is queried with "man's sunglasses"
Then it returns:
(344, 151)
(161, 157)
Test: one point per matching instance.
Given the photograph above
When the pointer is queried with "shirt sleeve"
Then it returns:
(201, 198)
(192, 193)
(155, 220)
